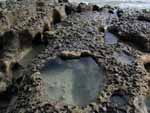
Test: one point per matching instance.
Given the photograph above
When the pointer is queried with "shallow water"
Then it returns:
(119, 100)
(27, 55)
(73, 82)
(147, 102)
(110, 39)
(124, 58)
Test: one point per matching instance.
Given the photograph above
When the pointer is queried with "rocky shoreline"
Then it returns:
(35, 32)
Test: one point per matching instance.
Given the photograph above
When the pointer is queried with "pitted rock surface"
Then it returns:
(79, 34)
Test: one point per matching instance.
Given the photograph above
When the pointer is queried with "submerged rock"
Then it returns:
(79, 35)
(74, 81)
(147, 103)
(110, 39)
(124, 58)
(94, 63)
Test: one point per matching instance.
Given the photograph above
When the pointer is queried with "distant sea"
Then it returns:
(140, 4)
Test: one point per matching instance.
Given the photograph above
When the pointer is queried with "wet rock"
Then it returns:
(74, 35)
(63, 1)
(120, 12)
(25, 39)
(144, 17)
(71, 8)
(58, 14)
(96, 8)
(11, 45)
(120, 100)
(37, 20)
(83, 7)
(23, 24)
(139, 104)
(107, 8)
(4, 22)
(2, 4)
(147, 102)
(56, 17)
(124, 58)
(147, 67)
(128, 14)
(133, 31)
(6, 79)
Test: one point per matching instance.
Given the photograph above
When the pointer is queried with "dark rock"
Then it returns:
(62, 1)
(56, 17)
(70, 8)
(25, 39)
(144, 17)
(134, 31)
(96, 8)
(72, 31)
(10, 43)
(82, 7)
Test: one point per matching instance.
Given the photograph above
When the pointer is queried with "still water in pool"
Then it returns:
(74, 82)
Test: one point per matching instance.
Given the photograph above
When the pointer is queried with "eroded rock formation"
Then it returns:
(43, 30)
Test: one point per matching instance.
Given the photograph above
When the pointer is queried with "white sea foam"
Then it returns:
(140, 4)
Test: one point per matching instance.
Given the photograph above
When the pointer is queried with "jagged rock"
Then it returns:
(59, 13)
(82, 7)
(70, 31)
(144, 17)
(72, 54)
(24, 21)
(80, 35)
(71, 8)
(134, 31)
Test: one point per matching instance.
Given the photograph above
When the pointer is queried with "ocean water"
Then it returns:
(139, 4)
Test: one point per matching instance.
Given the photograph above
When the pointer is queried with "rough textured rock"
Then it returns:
(73, 36)
(134, 31)
(24, 22)
(72, 31)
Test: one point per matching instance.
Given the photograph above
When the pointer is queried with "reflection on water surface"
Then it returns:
(75, 81)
